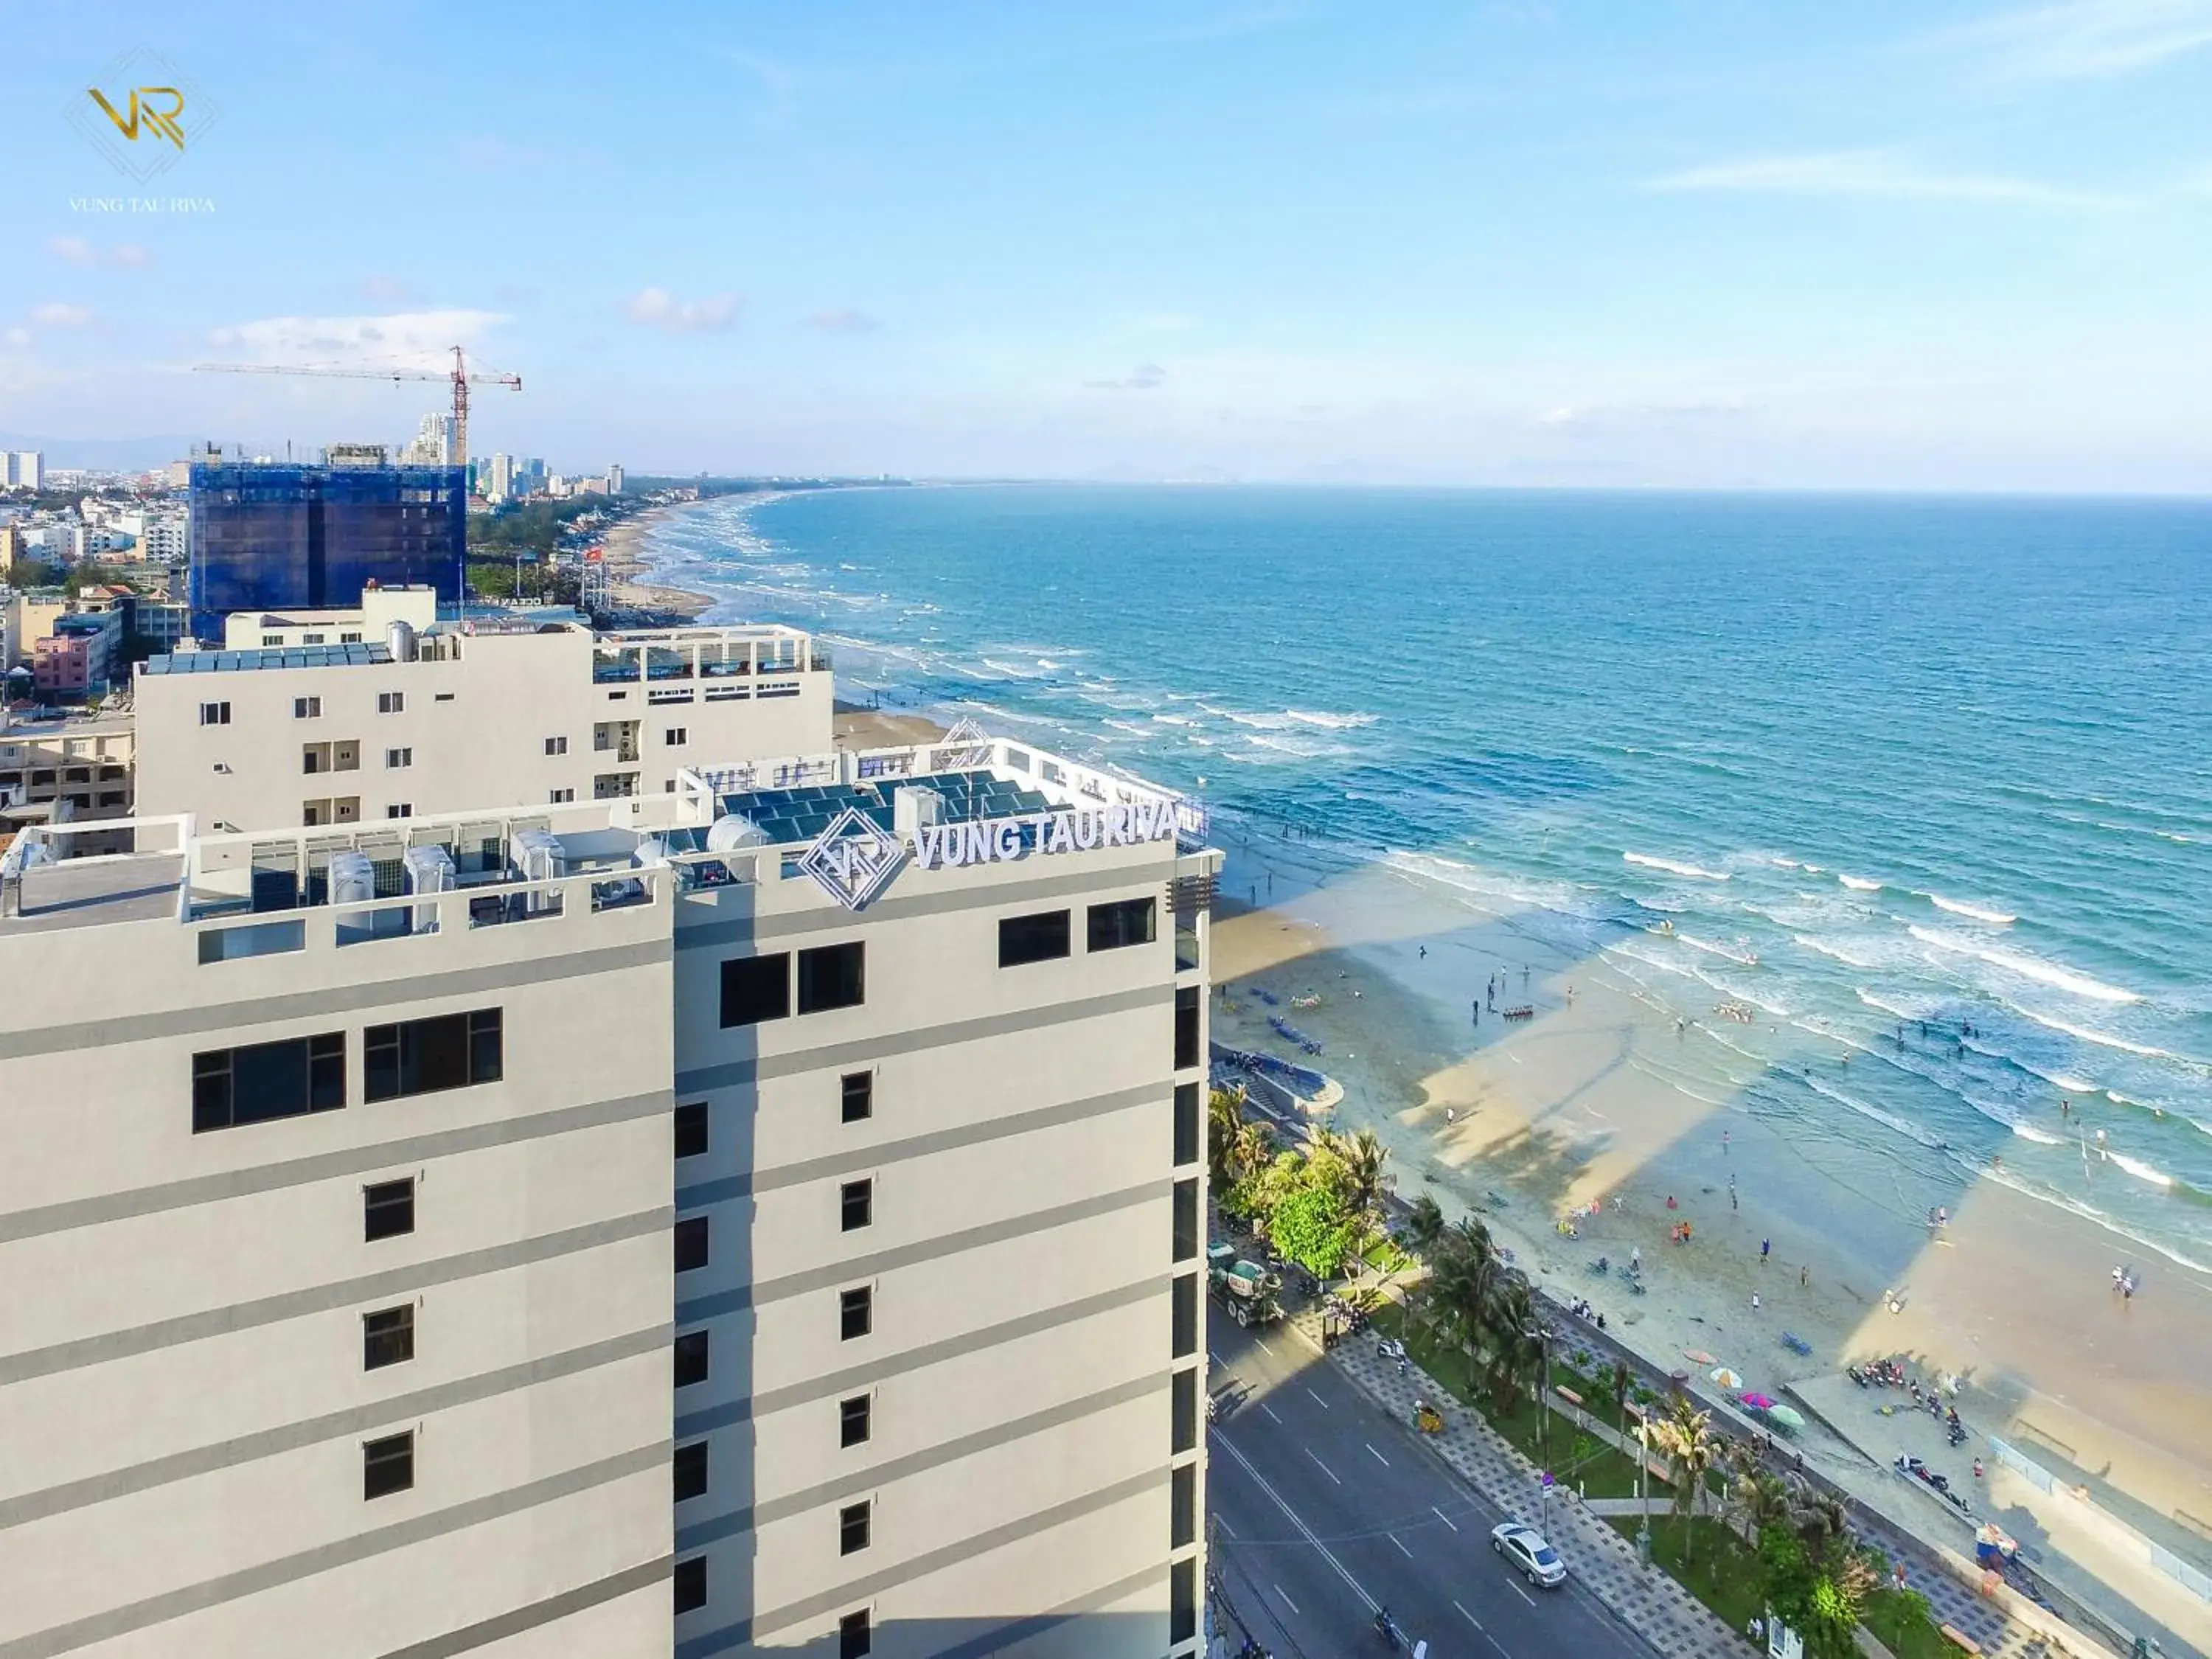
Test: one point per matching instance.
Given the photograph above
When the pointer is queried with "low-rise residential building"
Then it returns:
(78, 658)
(59, 767)
(397, 711)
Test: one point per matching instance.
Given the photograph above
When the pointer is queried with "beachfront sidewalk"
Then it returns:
(1648, 1601)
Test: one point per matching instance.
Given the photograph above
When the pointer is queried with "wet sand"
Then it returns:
(624, 551)
(1565, 1109)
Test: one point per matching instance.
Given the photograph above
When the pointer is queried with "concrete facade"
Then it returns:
(510, 712)
(635, 1249)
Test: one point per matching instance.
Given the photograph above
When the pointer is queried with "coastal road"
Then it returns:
(1323, 1507)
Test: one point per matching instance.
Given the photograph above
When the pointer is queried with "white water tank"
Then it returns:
(400, 635)
(732, 830)
(353, 878)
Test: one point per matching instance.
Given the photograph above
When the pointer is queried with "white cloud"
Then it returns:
(657, 308)
(1872, 173)
(17, 337)
(2079, 39)
(407, 339)
(57, 314)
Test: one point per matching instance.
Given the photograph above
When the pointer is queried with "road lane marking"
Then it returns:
(1287, 1602)
(1322, 1466)
(1378, 1455)
(1402, 1550)
(1306, 1532)
(1318, 1400)
(1447, 1520)
(1522, 1594)
(1270, 1410)
(1469, 1616)
(1224, 1526)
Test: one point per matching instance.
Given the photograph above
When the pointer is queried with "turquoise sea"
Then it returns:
(1856, 763)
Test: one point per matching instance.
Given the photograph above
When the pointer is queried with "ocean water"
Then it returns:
(1855, 763)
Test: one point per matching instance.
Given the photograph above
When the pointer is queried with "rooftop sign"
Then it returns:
(854, 861)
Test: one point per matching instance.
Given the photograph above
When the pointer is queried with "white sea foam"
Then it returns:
(2074, 1206)
(1915, 1010)
(2028, 967)
(1736, 954)
(1859, 883)
(1691, 870)
(1828, 948)
(1910, 1130)
(1959, 908)
(2105, 1039)
(2140, 1170)
(1289, 718)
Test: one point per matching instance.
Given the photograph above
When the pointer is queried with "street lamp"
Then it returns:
(1642, 1491)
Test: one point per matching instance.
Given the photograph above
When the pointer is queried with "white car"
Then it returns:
(1525, 1548)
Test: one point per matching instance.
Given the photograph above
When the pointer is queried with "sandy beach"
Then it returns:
(1528, 1121)
(624, 551)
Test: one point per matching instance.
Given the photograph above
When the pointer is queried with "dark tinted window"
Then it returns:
(691, 1359)
(1040, 938)
(1132, 921)
(267, 1080)
(1185, 1220)
(829, 977)
(858, 1090)
(1184, 1316)
(1182, 1506)
(690, 1470)
(855, 1313)
(852, 1528)
(423, 1056)
(855, 1639)
(853, 1420)
(690, 1243)
(387, 1338)
(387, 1466)
(691, 1129)
(1186, 1027)
(1185, 1123)
(1182, 1601)
(387, 1209)
(690, 1581)
(856, 1205)
(1182, 1411)
(755, 988)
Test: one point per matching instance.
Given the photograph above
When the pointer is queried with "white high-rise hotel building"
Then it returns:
(761, 1216)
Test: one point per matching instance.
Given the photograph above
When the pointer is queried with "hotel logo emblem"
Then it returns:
(854, 861)
(142, 113)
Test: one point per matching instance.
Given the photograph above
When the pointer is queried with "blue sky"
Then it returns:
(1709, 242)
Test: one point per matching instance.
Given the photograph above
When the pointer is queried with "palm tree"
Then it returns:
(1225, 1116)
(1759, 1500)
(1685, 1436)
(1818, 1518)
(1619, 1379)
(1424, 1227)
(1363, 1156)
(1249, 1153)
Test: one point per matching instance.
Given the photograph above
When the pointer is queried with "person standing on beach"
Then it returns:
(1804, 1277)
(1766, 1250)
(1754, 1301)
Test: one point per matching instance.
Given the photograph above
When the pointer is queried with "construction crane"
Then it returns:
(459, 376)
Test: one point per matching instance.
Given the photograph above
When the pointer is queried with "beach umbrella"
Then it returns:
(1787, 1417)
(1726, 1378)
(1698, 1356)
(1758, 1402)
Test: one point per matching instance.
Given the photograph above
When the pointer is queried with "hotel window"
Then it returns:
(387, 1338)
(1186, 1027)
(396, 758)
(1185, 1220)
(676, 738)
(215, 714)
(1040, 938)
(424, 1056)
(1183, 1316)
(856, 1312)
(1182, 1601)
(404, 809)
(1187, 1148)
(557, 745)
(307, 708)
(387, 1210)
(855, 1637)
(272, 639)
(831, 976)
(853, 1420)
(852, 1528)
(268, 1080)
(690, 1581)
(857, 1090)
(310, 639)
(691, 1129)
(1182, 1505)
(392, 702)
(1132, 921)
(690, 1465)
(690, 1243)
(856, 1205)
(756, 988)
(350, 639)
(562, 797)
(691, 1359)
(387, 1466)
(1182, 1412)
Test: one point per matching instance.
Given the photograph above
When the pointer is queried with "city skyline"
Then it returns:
(1555, 245)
